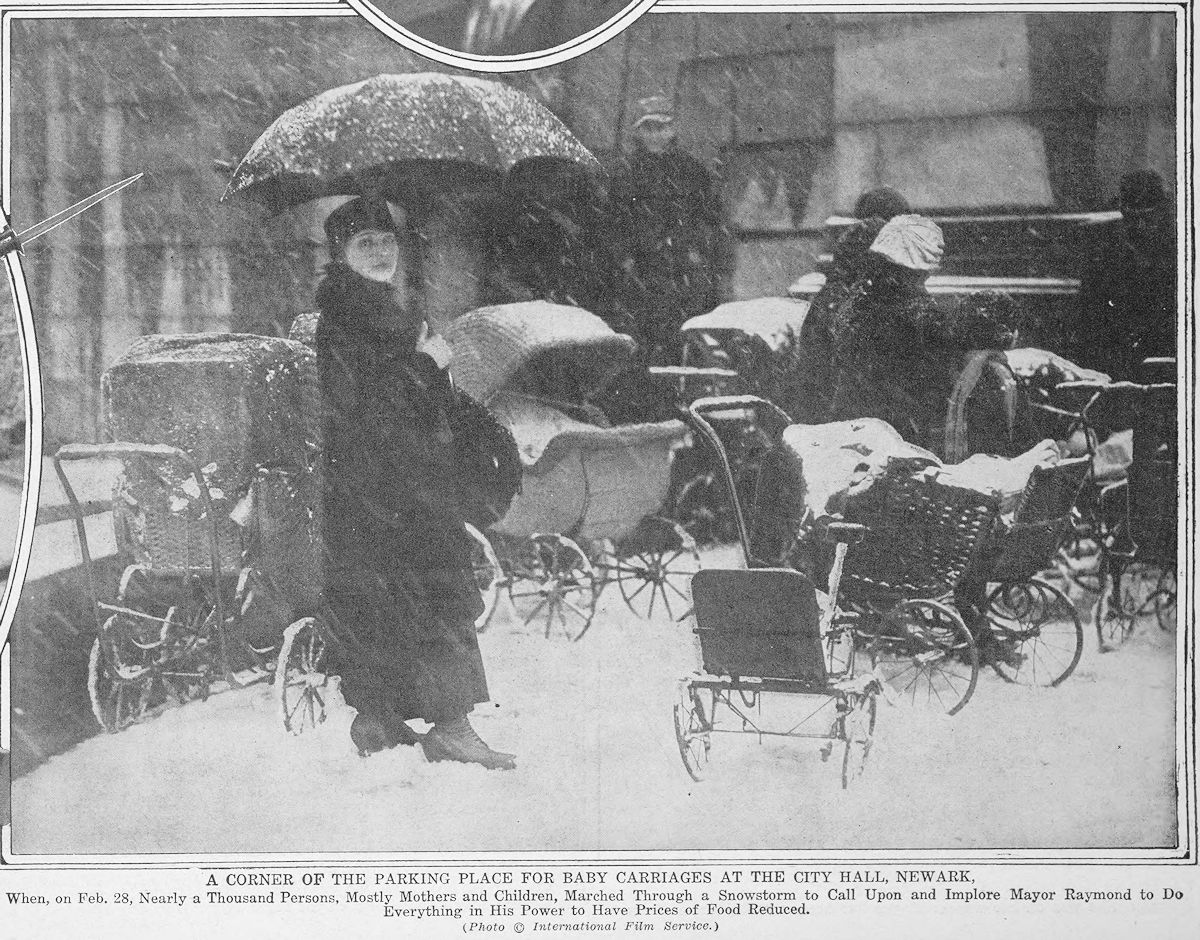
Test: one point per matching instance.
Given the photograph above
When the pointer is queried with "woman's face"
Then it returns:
(373, 254)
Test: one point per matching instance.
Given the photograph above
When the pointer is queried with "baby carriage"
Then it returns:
(591, 482)
(214, 509)
(921, 534)
(741, 347)
(1123, 544)
(762, 633)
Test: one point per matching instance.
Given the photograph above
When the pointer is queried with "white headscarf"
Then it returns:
(911, 241)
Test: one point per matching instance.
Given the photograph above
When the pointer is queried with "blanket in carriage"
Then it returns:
(537, 365)
(831, 463)
(582, 478)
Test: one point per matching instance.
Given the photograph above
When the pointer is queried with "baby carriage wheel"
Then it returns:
(300, 680)
(857, 727)
(1147, 591)
(137, 668)
(926, 656)
(693, 727)
(657, 560)
(1036, 631)
(1113, 625)
(1164, 600)
(489, 575)
(553, 582)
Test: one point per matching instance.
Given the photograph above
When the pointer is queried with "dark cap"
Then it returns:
(881, 203)
(362, 214)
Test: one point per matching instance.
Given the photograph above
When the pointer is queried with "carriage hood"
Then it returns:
(493, 344)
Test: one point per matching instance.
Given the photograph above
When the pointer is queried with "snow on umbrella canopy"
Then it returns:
(393, 134)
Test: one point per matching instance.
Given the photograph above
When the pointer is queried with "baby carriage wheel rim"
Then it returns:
(300, 679)
(129, 681)
(1036, 631)
(663, 568)
(553, 583)
(857, 727)
(925, 656)
(693, 729)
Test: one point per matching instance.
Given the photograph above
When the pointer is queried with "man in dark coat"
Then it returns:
(1128, 296)
(399, 577)
(669, 235)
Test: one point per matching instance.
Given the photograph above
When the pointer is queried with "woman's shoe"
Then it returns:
(372, 734)
(457, 741)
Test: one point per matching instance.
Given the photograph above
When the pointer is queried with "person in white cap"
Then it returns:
(669, 234)
(890, 342)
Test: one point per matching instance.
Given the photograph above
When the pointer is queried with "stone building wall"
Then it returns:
(796, 113)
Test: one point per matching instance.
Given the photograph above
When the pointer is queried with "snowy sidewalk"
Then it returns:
(1090, 763)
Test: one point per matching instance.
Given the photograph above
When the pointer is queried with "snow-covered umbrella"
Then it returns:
(400, 134)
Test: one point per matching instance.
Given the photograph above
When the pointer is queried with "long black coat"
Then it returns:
(669, 236)
(1128, 303)
(398, 560)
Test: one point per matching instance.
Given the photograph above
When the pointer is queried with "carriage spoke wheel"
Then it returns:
(134, 671)
(654, 569)
(857, 727)
(1165, 600)
(554, 585)
(1117, 609)
(300, 678)
(1113, 625)
(489, 575)
(1036, 632)
(926, 656)
(693, 714)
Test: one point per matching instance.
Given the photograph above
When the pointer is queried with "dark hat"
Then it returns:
(882, 202)
(1141, 190)
(362, 214)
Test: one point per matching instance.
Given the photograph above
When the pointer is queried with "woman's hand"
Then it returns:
(434, 346)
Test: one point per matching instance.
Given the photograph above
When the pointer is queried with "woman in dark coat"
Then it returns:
(888, 336)
(399, 575)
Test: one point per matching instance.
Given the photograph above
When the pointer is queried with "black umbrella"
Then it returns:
(399, 134)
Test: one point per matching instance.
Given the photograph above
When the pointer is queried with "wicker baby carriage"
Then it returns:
(214, 510)
(585, 515)
(922, 538)
(1035, 632)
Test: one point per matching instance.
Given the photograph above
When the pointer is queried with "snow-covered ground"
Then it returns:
(1089, 764)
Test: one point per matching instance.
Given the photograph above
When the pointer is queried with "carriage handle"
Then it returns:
(697, 411)
(165, 453)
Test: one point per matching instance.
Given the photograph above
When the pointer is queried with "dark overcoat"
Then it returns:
(399, 577)
(669, 237)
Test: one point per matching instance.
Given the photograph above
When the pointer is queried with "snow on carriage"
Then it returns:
(740, 347)
(591, 485)
(216, 509)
